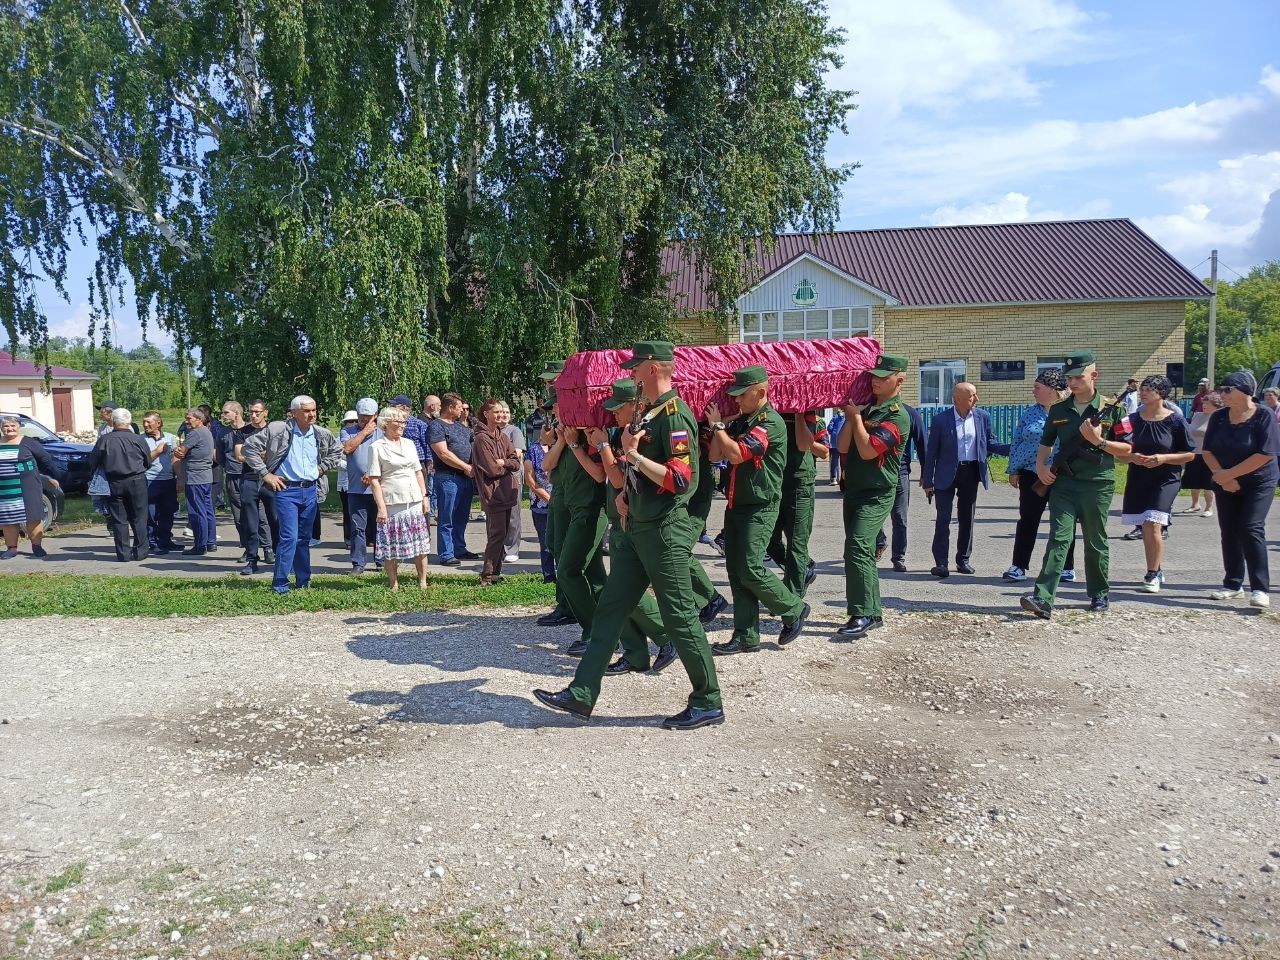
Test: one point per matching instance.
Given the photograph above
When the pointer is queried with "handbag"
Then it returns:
(98, 486)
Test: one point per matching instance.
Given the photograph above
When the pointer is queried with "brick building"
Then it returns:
(990, 304)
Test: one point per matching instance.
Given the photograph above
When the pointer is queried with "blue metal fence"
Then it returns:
(1005, 416)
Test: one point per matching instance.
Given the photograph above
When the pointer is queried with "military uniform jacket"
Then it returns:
(610, 491)
(1063, 424)
(888, 425)
(762, 441)
(802, 468)
(578, 488)
(669, 436)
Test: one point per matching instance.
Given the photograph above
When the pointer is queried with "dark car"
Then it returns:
(53, 500)
(1270, 379)
(72, 458)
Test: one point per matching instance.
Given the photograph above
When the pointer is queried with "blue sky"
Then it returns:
(980, 111)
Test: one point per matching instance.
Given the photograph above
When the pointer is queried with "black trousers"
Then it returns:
(1031, 507)
(235, 495)
(257, 500)
(898, 517)
(964, 494)
(1242, 520)
(128, 506)
(346, 517)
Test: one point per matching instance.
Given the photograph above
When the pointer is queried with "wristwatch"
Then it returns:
(601, 445)
(574, 446)
(718, 425)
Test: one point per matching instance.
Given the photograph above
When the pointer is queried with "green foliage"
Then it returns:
(101, 596)
(68, 878)
(141, 379)
(342, 197)
(1248, 326)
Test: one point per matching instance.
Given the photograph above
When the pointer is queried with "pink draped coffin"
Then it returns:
(803, 375)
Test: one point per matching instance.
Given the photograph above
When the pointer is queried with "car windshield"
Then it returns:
(31, 428)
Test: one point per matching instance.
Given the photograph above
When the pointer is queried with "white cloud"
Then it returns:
(126, 331)
(1220, 208)
(1271, 79)
(1011, 208)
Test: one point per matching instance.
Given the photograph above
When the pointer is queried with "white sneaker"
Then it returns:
(1015, 574)
(1227, 594)
(1068, 576)
(1259, 598)
(1152, 582)
(511, 557)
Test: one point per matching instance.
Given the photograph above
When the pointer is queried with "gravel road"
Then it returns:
(958, 785)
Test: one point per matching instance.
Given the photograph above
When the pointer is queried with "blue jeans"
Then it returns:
(364, 526)
(200, 511)
(162, 505)
(544, 549)
(453, 511)
(295, 513)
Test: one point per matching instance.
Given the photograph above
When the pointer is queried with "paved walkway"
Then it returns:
(1193, 562)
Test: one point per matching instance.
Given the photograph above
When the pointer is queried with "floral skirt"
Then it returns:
(405, 535)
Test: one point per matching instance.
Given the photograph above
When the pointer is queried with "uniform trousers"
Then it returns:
(203, 521)
(162, 505)
(1030, 511)
(1242, 520)
(128, 506)
(645, 620)
(1085, 502)
(865, 512)
(747, 532)
(257, 514)
(295, 513)
(789, 545)
(580, 572)
(898, 520)
(654, 552)
(964, 494)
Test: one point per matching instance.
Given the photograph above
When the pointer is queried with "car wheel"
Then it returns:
(50, 517)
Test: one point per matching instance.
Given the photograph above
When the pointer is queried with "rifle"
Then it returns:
(1074, 449)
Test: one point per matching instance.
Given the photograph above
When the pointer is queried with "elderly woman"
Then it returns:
(195, 453)
(1195, 476)
(1240, 448)
(400, 494)
(496, 464)
(22, 460)
(1049, 388)
(1159, 447)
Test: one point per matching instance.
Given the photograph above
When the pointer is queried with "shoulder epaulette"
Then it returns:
(672, 407)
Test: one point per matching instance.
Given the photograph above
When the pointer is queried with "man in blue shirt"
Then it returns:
(357, 445)
(289, 457)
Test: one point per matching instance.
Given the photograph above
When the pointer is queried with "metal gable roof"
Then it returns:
(1069, 261)
(11, 369)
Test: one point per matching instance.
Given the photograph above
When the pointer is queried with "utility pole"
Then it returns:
(1213, 317)
(188, 378)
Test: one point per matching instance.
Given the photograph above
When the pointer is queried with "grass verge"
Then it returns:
(33, 595)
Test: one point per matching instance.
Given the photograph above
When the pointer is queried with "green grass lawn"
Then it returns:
(1000, 472)
(32, 595)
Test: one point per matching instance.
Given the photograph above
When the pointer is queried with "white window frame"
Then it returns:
(947, 373)
(1043, 365)
(772, 330)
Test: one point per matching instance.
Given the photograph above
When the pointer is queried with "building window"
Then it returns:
(938, 378)
(771, 325)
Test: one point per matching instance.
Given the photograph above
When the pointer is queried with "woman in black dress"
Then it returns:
(1240, 447)
(1160, 448)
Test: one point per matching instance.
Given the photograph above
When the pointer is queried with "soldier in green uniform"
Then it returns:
(1081, 483)
(873, 438)
(710, 600)
(657, 549)
(807, 442)
(645, 620)
(755, 444)
(557, 518)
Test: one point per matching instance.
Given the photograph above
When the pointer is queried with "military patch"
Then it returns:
(679, 442)
(894, 408)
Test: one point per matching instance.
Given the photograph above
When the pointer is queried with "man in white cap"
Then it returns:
(357, 444)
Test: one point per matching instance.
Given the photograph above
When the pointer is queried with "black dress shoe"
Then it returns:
(810, 573)
(666, 656)
(964, 566)
(160, 551)
(451, 562)
(620, 666)
(691, 718)
(244, 555)
(555, 619)
(900, 566)
(577, 649)
(857, 626)
(470, 556)
(269, 557)
(1100, 603)
(563, 701)
(1033, 604)
(880, 549)
(732, 646)
(249, 569)
(712, 610)
(194, 552)
(940, 572)
(212, 548)
(792, 630)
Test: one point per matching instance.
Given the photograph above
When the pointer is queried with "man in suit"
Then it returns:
(902, 499)
(960, 441)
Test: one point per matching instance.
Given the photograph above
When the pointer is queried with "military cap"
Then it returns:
(746, 378)
(1074, 364)
(624, 391)
(549, 400)
(650, 350)
(888, 363)
(552, 370)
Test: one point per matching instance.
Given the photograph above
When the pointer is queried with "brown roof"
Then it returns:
(11, 369)
(1069, 261)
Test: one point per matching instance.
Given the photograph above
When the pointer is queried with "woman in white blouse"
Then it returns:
(400, 494)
